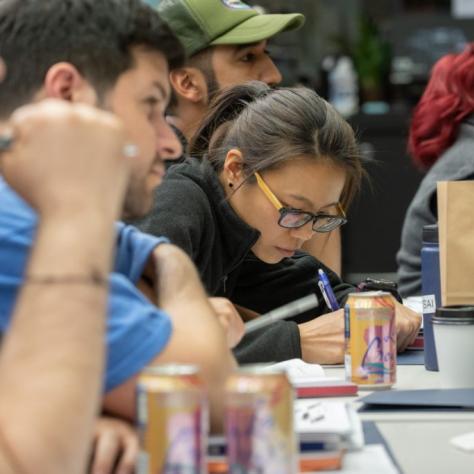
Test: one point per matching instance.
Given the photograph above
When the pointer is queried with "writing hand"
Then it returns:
(322, 339)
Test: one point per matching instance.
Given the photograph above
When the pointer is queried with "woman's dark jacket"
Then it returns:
(191, 209)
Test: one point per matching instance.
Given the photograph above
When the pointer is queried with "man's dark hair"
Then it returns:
(96, 36)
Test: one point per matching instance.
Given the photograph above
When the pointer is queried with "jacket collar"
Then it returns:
(236, 236)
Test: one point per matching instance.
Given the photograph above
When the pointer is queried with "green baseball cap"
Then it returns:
(203, 23)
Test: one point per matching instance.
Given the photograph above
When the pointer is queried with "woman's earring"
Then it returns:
(231, 185)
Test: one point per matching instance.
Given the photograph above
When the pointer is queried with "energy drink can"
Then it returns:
(371, 339)
(259, 422)
(172, 420)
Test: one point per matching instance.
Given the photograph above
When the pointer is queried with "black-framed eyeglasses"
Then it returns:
(294, 218)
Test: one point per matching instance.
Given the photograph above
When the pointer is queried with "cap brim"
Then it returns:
(261, 27)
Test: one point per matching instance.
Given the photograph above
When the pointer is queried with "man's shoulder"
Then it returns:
(133, 250)
(17, 228)
(12, 204)
(17, 219)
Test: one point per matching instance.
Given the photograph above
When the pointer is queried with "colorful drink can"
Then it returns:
(259, 422)
(371, 339)
(172, 420)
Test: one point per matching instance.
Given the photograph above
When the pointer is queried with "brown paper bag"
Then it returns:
(456, 241)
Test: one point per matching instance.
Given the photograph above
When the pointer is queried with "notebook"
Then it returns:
(328, 421)
(438, 399)
(310, 380)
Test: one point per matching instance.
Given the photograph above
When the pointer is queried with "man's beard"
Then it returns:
(213, 87)
(137, 203)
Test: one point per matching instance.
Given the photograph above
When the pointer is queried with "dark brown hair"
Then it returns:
(272, 126)
(97, 37)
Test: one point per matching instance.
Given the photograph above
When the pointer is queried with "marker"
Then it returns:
(326, 291)
(283, 312)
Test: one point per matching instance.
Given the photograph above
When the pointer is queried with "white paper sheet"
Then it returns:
(373, 459)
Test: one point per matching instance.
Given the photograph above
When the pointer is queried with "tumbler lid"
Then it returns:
(430, 233)
(455, 315)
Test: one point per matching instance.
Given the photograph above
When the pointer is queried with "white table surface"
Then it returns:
(420, 440)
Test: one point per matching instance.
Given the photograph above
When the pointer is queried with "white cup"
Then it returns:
(453, 328)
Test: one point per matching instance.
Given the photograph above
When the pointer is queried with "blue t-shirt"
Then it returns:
(137, 331)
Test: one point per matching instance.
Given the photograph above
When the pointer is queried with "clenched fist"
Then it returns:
(66, 158)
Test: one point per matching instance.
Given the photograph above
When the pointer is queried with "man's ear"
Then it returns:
(64, 81)
(189, 84)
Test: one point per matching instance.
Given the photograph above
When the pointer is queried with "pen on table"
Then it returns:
(313, 412)
(326, 291)
(283, 312)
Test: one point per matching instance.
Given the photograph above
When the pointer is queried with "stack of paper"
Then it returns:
(314, 456)
(332, 422)
(326, 430)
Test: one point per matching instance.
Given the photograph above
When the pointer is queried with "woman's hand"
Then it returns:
(408, 325)
(115, 447)
(322, 339)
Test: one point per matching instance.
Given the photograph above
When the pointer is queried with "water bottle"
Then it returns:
(343, 88)
(431, 289)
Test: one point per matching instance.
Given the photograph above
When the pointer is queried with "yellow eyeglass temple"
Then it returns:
(341, 210)
(263, 186)
(276, 202)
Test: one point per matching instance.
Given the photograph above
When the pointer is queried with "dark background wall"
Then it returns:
(416, 33)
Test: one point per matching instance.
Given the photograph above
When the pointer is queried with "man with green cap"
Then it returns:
(226, 44)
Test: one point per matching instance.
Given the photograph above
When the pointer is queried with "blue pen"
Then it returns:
(326, 291)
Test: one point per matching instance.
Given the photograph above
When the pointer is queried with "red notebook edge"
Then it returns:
(345, 389)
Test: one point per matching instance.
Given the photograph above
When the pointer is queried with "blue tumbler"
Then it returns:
(431, 289)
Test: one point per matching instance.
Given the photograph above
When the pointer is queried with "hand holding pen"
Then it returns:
(297, 306)
(327, 292)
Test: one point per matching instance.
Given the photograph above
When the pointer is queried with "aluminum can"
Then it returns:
(371, 339)
(259, 424)
(173, 420)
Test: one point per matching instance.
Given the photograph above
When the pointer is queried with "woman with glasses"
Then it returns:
(271, 167)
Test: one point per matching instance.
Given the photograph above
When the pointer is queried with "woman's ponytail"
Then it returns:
(224, 109)
(273, 126)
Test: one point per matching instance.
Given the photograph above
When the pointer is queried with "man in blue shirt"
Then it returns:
(114, 55)
(59, 342)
